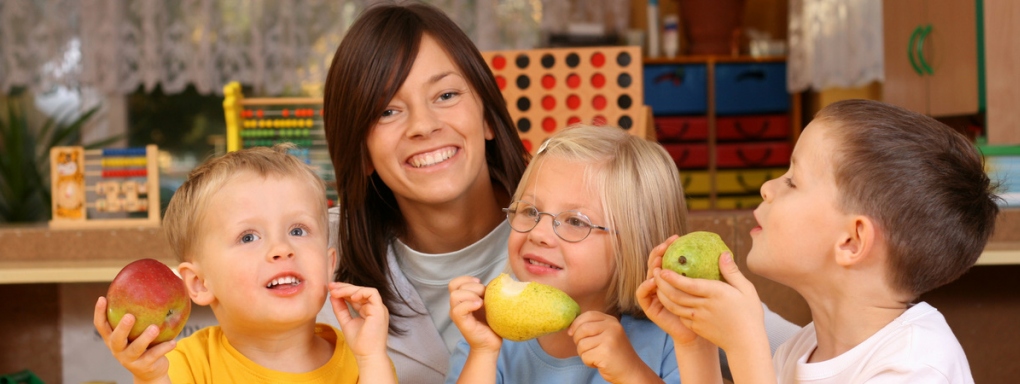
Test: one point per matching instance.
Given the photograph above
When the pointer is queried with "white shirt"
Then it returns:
(916, 347)
(430, 274)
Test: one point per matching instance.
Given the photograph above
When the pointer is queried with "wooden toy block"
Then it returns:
(104, 188)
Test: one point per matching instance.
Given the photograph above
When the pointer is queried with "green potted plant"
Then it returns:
(24, 166)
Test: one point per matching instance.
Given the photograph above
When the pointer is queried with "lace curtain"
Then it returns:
(834, 43)
(278, 47)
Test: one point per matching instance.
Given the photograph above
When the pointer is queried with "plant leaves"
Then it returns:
(24, 168)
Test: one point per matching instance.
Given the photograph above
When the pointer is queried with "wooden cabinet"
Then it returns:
(728, 122)
(1002, 64)
(931, 58)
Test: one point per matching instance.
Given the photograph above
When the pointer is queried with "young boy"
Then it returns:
(250, 229)
(879, 205)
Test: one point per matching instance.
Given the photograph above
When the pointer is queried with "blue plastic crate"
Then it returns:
(676, 89)
(748, 88)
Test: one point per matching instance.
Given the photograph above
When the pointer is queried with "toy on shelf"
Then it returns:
(263, 122)
(104, 188)
(549, 89)
(545, 90)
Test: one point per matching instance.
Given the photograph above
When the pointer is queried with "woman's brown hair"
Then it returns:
(370, 65)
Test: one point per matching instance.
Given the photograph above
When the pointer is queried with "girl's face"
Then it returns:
(583, 269)
(428, 146)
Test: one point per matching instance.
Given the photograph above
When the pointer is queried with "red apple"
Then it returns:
(153, 294)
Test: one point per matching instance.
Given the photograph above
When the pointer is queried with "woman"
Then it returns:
(426, 156)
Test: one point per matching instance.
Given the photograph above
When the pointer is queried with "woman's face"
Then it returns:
(428, 146)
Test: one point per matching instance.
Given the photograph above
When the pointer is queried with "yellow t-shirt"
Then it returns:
(207, 357)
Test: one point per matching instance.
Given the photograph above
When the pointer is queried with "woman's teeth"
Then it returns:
(432, 158)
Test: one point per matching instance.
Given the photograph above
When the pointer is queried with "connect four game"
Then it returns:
(104, 188)
(550, 89)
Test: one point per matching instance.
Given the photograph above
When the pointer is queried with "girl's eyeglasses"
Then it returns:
(571, 226)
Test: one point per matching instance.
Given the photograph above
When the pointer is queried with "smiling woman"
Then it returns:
(426, 155)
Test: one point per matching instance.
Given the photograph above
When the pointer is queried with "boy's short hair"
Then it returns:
(640, 191)
(922, 182)
(181, 223)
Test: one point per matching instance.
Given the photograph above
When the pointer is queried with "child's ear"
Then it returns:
(194, 281)
(332, 264)
(857, 242)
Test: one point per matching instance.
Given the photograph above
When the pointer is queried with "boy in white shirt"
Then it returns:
(879, 205)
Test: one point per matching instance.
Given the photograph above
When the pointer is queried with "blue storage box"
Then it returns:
(674, 89)
(747, 88)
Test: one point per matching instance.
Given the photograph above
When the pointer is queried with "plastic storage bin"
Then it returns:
(676, 89)
(748, 88)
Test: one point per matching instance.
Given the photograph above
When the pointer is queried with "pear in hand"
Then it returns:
(520, 311)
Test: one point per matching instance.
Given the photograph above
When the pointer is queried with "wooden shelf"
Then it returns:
(40, 272)
(38, 255)
(701, 59)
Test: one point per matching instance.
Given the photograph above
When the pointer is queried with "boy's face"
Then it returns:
(262, 256)
(799, 220)
(583, 269)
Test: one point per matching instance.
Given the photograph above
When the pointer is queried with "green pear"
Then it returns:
(520, 311)
(696, 255)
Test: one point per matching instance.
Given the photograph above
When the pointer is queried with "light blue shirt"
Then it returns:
(526, 362)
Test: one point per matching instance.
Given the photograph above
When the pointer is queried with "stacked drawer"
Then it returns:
(752, 128)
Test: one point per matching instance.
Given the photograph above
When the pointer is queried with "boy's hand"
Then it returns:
(466, 293)
(647, 295)
(602, 344)
(145, 364)
(726, 313)
(366, 333)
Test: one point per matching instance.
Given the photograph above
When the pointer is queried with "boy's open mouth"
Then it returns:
(283, 282)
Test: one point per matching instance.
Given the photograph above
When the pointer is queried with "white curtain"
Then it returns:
(834, 43)
(276, 46)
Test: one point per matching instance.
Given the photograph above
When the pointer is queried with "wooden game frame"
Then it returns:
(70, 204)
(550, 89)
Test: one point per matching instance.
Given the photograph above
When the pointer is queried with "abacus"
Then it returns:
(254, 122)
(549, 89)
(104, 188)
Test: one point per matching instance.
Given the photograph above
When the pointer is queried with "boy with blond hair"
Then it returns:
(250, 229)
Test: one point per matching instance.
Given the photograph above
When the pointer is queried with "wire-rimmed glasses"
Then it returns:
(571, 226)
